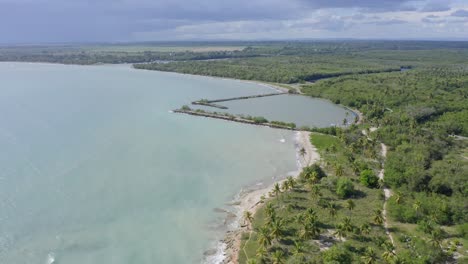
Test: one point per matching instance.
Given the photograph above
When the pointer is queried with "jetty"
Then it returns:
(232, 118)
(212, 103)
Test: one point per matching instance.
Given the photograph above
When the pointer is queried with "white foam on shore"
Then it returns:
(50, 258)
(218, 257)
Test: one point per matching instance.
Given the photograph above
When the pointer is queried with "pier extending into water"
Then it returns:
(211, 103)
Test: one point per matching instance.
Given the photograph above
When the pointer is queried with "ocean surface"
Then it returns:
(94, 168)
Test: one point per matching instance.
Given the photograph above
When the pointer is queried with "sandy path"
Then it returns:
(387, 191)
(252, 200)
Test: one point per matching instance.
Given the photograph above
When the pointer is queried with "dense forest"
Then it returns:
(280, 69)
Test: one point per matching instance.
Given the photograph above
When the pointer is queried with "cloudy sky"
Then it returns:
(41, 21)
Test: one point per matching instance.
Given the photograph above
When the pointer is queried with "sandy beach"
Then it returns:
(252, 201)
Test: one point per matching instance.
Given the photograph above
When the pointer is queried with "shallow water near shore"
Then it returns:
(95, 169)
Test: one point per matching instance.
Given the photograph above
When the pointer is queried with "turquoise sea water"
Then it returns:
(95, 169)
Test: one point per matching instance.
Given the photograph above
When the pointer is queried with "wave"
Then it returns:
(218, 256)
(50, 258)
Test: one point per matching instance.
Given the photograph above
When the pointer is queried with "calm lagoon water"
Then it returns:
(95, 169)
(301, 110)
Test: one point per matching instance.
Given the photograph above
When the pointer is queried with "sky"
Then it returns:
(61, 21)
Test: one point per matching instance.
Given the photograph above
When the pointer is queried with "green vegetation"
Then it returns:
(368, 178)
(303, 62)
(334, 212)
(319, 210)
(161, 52)
(337, 207)
(287, 69)
(285, 124)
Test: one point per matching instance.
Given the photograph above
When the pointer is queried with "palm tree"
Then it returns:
(340, 232)
(270, 212)
(309, 230)
(350, 205)
(339, 171)
(398, 197)
(278, 257)
(347, 226)
(248, 217)
(435, 239)
(314, 229)
(397, 260)
(369, 256)
(315, 192)
(314, 177)
(365, 229)
(277, 229)
(298, 248)
(389, 252)
(417, 206)
(264, 237)
(332, 209)
(378, 218)
(381, 183)
(261, 253)
(285, 186)
(291, 182)
(299, 218)
(310, 215)
(277, 190)
(302, 152)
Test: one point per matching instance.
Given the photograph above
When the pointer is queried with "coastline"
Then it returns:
(259, 83)
(251, 201)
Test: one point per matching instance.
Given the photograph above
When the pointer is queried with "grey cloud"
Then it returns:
(362, 4)
(114, 20)
(431, 20)
(460, 13)
(436, 6)
(329, 23)
(387, 22)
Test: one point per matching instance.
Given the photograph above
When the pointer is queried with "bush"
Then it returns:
(462, 230)
(344, 188)
(186, 108)
(259, 120)
(369, 179)
(308, 171)
(336, 254)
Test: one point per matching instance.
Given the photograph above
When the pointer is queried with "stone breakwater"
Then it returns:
(232, 118)
(211, 103)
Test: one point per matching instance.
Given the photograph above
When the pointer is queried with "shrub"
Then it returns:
(186, 108)
(369, 179)
(462, 230)
(344, 188)
(308, 171)
(259, 120)
(337, 254)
